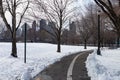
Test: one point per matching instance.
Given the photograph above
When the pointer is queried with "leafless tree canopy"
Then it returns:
(15, 8)
(57, 11)
(112, 10)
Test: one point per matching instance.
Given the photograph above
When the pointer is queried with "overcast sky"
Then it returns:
(79, 3)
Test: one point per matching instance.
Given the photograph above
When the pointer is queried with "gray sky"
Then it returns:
(79, 3)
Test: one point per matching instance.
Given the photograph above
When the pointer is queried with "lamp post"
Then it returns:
(25, 43)
(98, 50)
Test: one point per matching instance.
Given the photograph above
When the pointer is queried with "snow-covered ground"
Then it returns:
(105, 67)
(39, 55)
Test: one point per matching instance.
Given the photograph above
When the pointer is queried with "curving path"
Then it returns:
(71, 67)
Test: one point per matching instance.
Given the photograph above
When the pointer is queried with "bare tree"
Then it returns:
(112, 10)
(91, 15)
(57, 11)
(84, 29)
(12, 6)
(87, 23)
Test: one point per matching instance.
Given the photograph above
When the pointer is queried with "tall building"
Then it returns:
(34, 25)
(23, 31)
(73, 28)
(18, 32)
(23, 28)
(46, 31)
(33, 31)
(43, 24)
(73, 37)
(51, 27)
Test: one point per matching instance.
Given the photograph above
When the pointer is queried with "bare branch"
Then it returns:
(3, 16)
(23, 15)
(9, 7)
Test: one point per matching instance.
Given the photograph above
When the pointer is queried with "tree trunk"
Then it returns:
(118, 41)
(85, 44)
(59, 32)
(58, 45)
(14, 48)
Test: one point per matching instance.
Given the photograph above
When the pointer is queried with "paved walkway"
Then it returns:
(68, 68)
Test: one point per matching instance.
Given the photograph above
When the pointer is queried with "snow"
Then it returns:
(39, 56)
(105, 67)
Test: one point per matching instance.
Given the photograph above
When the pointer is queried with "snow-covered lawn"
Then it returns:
(105, 67)
(39, 55)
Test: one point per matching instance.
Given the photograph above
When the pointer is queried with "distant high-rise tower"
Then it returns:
(18, 33)
(73, 28)
(43, 23)
(33, 31)
(34, 25)
(23, 29)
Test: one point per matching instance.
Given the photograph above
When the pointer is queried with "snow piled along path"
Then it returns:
(39, 55)
(105, 67)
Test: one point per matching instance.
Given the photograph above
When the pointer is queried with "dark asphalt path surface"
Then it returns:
(79, 70)
(58, 70)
